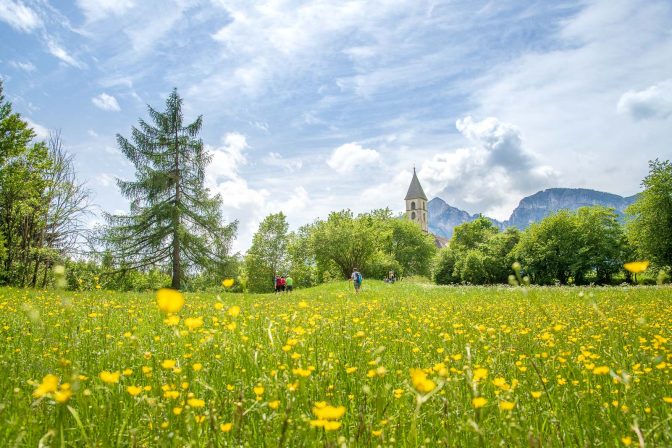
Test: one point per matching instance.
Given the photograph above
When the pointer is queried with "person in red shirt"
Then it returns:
(283, 282)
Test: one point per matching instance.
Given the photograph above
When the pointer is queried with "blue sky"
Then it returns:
(313, 106)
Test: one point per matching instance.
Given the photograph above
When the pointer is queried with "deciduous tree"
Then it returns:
(650, 226)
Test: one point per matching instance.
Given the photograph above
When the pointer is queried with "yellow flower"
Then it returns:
(226, 427)
(275, 404)
(193, 323)
(479, 402)
(127, 372)
(506, 405)
(199, 418)
(172, 320)
(326, 412)
(168, 363)
(227, 282)
(177, 410)
(480, 374)
(219, 306)
(258, 390)
(169, 300)
(420, 381)
(536, 394)
(63, 395)
(234, 311)
(331, 426)
(376, 432)
(326, 424)
(196, 403)
(667, 400)
(351, 369)
(602, 370)
(49, 385)
(627, 440)
(197, 366)
(133, 390)
(636, 267)
(499, 382)
(109, 377)
(171, 394)
(301, 372)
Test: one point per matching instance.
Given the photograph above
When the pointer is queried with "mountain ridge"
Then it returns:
(443, 218)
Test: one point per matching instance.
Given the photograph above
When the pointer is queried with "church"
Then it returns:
(416, 209)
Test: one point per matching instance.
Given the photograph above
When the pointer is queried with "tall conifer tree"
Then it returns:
(173, 218)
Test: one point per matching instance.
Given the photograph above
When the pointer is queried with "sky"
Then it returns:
(320, 105)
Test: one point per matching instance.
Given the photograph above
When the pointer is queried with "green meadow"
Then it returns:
(409, 364)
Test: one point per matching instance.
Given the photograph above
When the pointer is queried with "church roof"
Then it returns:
(415, 190)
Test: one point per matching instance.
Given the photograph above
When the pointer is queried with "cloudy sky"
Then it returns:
(319, 105)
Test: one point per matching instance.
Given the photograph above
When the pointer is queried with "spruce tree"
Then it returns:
(173, 219)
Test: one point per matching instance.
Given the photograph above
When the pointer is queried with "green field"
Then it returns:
(501, 366)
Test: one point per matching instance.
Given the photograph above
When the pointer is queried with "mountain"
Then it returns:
(541, 204)
(443, 217)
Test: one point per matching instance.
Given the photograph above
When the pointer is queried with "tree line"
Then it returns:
(174, 234)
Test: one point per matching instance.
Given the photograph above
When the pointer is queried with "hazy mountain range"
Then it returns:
(444, 217)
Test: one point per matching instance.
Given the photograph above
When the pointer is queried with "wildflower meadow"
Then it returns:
(409, 364)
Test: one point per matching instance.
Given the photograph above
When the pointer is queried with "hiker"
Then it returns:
(356, 279)
(289, 282)
(283, 283)
(277, 284)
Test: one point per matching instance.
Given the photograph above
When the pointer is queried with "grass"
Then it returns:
(501, 366)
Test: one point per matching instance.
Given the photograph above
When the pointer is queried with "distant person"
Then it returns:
(356, 278)
(277, 284)
(283, 283)
(289, 282)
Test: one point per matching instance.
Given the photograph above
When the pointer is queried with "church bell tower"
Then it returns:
(416, 203)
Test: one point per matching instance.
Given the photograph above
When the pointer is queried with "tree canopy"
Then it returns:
(650, 227)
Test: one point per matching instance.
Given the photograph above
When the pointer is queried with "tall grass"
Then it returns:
(501, 366)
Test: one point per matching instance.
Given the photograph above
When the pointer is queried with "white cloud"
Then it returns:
(652, 102)
(106, 180)
(106, 102)
(19, 16)
(100, 9)
(25, 66)
(280, 161)
(349, 156)
(227, 159)
(283, 39)
(491, 176)
(564, 98)
(59, 52)
(41, 132)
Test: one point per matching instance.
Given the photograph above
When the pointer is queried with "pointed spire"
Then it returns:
(415, 190)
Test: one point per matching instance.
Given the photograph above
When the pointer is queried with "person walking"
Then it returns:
(356, 278)
(277, 284)
(289, 282)
(282, 284)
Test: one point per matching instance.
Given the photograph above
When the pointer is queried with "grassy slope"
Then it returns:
(549, 341)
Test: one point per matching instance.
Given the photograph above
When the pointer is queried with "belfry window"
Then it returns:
(413, 205)
(412, 215)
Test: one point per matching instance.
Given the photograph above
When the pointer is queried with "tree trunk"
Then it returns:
(46, 272)
(177, 274)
